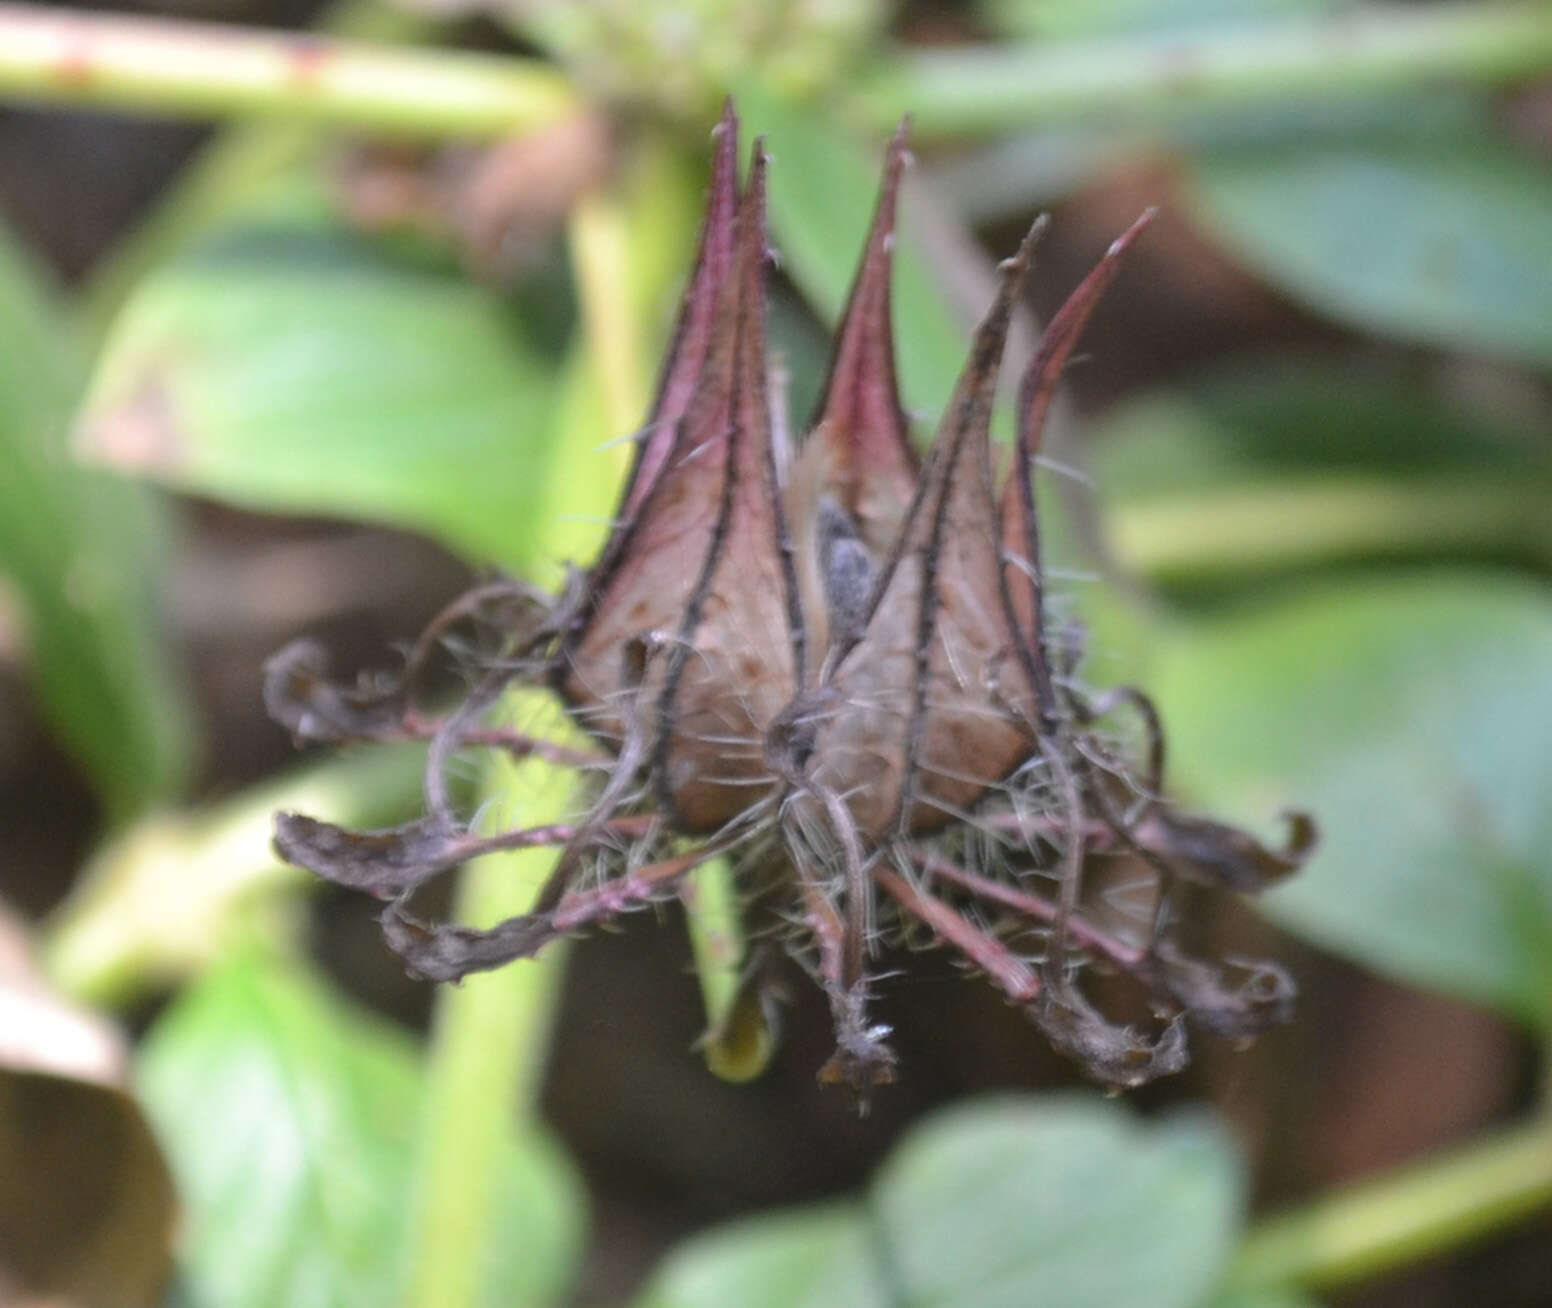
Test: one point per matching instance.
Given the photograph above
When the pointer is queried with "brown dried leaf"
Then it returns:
(384, 863)
(1217, 854)
(1262, 999)
(1109, 1052)
(299, 696)
(87, 1209)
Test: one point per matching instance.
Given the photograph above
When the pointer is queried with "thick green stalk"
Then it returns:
(201, 70)
(173, 68)
(1250, 529)
(990, 88)
(225, 173)
(490, 1034)
(1424, 1210)
(488, 1041)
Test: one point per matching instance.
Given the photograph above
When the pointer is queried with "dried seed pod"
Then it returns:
(834, 669)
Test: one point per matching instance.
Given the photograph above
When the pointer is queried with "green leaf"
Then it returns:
(1297, 461)
(821, 1257)
(1448, 245)
(1414, 719)
(1287, 416)
(289, 1119)
(1062, 1202)
(83, 553)
(175, 891)
(284, 364)
(1058, 19)
(1068, 1203)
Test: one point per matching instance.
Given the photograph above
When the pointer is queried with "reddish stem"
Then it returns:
(634, 890)
(633, 825)
(516, 743)
(1128, 958)
(986, 952)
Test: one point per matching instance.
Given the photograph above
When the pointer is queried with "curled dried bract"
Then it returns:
(833, 664)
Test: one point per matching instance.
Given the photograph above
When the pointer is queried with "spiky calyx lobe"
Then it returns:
(836, 664)
(862, 623)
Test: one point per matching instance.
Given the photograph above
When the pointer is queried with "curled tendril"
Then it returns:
(832, 664)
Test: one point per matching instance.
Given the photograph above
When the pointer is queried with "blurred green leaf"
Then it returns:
(284, 364)
(1293, 462)
(822, 1257)
(231, 169)
(1063, 1202)
(1066, 1203)
(213, 187)
(1414, 719)
(1058, 19)
(289, 1119)
(83, 551)
(1448, 245)
(175, 891)
(1010, 175)
(1286, 416)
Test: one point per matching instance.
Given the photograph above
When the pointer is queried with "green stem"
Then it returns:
(1419, 1211)
(174, 68)
(601, 258)
(716, 937)
(977, 89)
(488, 1040)
(738, 1042)
(178, 69)
(1256, 528)
(490, 1033)
(226, 172)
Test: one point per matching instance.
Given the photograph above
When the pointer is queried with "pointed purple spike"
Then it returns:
(860, 430)
(692, 331)
(648, 572)
(1020, 530)
(739, 651)
(921, 726)
(684, 371)
(959, 741)
(703, 584)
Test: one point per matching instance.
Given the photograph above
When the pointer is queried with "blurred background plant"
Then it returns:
(302, 370)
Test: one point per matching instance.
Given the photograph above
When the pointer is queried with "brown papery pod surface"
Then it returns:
(834, 666)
